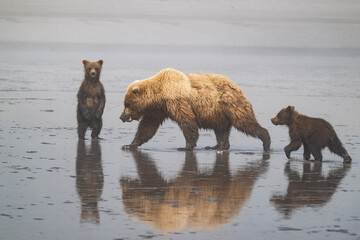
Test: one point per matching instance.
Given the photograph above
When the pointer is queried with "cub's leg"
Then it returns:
(336, 147)
(81, 129)
(96, 126)
(294, 145)
(316, 152)
(306, 151)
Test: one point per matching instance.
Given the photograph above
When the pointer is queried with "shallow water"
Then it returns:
(53, 186)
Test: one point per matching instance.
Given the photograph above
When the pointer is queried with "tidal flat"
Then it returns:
(53, 186)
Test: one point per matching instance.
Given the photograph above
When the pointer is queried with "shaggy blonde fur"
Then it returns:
(209, 101)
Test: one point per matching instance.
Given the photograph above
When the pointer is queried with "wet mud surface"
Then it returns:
(53, 186)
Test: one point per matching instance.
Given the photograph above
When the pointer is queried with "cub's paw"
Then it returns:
(347, 159)
(287, 153)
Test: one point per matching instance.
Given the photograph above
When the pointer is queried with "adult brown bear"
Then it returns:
(209, 101)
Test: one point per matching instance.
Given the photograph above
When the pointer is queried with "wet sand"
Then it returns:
(53, 186)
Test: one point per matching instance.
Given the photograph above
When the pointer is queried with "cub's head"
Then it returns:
(92, 69)
(285, 116)
(134, 102)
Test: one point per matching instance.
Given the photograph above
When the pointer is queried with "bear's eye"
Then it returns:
(96, 68)
(127, 105)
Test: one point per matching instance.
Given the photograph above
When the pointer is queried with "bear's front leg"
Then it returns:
(222, 137)
(191, 134)
(293, 146)
(100, 108)
(147, 128)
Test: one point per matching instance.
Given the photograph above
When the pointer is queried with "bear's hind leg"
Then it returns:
(316, 152)
(81, 129)
(264, 136)
(252, 128)
(222, 137)
(96, 126)
(191, 134)
(336, 147)
(306, 151)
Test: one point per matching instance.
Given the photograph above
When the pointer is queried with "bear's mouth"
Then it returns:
(274, 121)
(126, 118)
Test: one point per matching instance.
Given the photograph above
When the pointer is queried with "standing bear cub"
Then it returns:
(314, 133)
(91, 100)
(193, 101)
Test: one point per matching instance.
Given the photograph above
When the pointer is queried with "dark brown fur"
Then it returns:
(91, 100)
(314, 133)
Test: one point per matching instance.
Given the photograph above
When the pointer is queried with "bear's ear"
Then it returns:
(136, 90)
(290, 108)
(85, 62)
(100, 62)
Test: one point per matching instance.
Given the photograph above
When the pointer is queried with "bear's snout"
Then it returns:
(93, 73)
(125, 118)
(274, 121)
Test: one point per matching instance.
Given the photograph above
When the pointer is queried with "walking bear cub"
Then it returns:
(193, 101)
(314, 133)
(91, 100)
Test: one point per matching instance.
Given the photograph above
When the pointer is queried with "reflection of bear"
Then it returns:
(314, 133)
(91, 100)
(89, 180)
(310, 189)
(209, 101)
(193, 199)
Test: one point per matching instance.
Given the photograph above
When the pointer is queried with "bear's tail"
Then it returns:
(336, 147)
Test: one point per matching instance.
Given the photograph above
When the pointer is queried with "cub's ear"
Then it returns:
(136, 90)
(100, 62)
(290, 108)
(85, 62)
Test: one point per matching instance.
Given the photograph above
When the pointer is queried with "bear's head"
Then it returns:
(92, 69)
(134, 102)
(285, 116)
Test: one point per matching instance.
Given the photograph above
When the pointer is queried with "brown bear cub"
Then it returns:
(91, 100)
(193, 101)
(314, 133)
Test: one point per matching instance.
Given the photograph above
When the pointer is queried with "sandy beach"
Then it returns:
(280, 53)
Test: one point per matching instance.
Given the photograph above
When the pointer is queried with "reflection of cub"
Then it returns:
(311, 188)
(89, 180)
(91, 100)
(193, 199)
